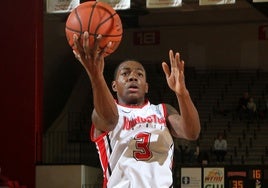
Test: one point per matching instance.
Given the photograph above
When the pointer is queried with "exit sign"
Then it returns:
(263, 32)
(146, 38)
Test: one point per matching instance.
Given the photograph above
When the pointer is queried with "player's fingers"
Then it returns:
(172, 59)
(166, 69)
(106, 48)
(181, 65)
(76, 42)
(96, 48)
(86, 42)
(179, 62)
(77, 56)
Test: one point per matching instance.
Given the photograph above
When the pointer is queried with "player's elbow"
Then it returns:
(194, 134)
(193, 137)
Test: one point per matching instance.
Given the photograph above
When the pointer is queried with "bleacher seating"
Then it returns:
(246, 140)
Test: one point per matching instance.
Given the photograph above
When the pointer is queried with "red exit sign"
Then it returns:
(146, 37)
(263, 32)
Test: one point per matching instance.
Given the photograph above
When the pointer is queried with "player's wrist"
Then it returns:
(183, 93)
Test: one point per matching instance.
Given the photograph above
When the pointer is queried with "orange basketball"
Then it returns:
(96, 18)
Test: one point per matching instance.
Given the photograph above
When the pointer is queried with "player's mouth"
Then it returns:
(133, 88)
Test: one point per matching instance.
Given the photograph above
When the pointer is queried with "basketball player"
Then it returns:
(133, 136)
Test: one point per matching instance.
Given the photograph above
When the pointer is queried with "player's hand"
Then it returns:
(175, 74)
(91, 59)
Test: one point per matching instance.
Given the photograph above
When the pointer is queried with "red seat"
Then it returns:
(10, 184)
(16, 184)
(13, 184)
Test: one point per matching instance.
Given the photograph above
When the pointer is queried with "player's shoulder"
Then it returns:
(165, 108)
(170, 109)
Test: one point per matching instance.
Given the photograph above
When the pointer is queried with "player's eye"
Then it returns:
(124, 73)
(140, 74)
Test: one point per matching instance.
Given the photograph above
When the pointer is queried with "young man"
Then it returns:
(134, 137)
(220, 148)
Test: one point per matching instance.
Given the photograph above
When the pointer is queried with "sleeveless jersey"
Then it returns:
(138, 153)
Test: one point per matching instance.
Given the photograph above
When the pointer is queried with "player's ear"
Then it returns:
(146, 88)
(114, 86)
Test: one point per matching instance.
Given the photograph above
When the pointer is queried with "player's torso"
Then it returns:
(142, 144)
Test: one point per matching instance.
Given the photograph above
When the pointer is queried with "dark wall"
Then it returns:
(21, 88)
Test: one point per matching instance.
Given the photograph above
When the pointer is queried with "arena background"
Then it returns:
(40, 77)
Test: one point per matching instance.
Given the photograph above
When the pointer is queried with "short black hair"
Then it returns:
(117, 67)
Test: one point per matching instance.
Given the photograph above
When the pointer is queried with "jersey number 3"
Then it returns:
(142, 152)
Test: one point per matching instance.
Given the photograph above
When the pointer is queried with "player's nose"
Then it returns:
(133, 76)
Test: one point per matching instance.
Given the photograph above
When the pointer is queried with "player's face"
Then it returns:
(130, 83)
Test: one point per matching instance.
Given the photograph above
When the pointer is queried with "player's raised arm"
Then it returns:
(94, 31)
(187, 123)
(105, 114)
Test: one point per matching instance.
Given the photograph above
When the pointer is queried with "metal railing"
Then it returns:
(69, 147)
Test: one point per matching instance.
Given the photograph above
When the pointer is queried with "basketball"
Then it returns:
(96, 18)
